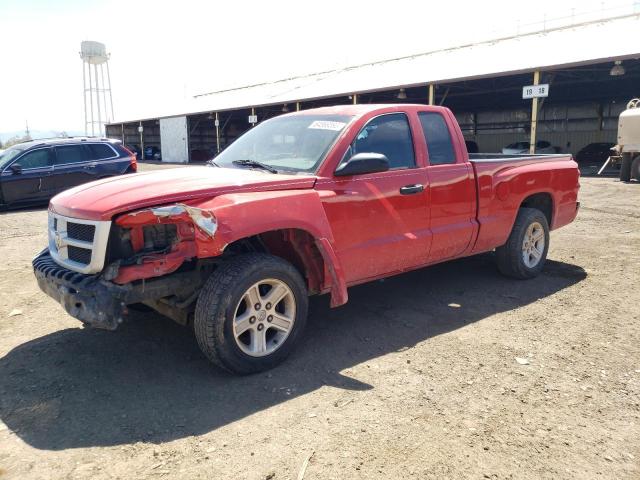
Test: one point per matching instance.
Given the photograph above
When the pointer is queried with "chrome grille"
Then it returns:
(77, 244)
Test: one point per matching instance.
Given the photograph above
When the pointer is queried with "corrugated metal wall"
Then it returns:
(569, 127)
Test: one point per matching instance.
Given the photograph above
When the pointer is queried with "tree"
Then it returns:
(16, 139)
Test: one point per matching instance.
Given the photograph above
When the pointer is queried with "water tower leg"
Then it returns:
(91, 100)
(84, 97)
(113, 115)
(104, 96)
(95, 70)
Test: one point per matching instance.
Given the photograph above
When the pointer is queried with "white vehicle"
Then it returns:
(517, 148)
(629, 142)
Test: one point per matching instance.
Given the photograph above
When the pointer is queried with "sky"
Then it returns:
(164, 52)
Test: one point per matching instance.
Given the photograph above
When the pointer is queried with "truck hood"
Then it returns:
(102, 199)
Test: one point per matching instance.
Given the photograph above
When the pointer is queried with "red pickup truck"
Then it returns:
(305, 203)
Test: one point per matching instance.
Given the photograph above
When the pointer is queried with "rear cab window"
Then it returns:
(438, 138)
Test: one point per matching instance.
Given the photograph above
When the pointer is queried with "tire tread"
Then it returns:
(214, 297)
(509, 255)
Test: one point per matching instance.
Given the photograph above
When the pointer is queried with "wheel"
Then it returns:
(251, 313)
(625, 167)
(525, 252)
(635, 168)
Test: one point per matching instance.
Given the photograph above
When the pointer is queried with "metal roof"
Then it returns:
(587, 43)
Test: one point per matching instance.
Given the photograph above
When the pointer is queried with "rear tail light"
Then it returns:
(133, 158)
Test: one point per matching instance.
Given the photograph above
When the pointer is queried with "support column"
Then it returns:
(122, 132)
(140, 129)
(297, 106)
(217, 123)
(355, 98)
(432, 94)
(534, 115)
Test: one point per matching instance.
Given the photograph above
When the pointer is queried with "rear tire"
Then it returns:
(625, 167)
(235, 324)
(525, 253)
(635, 168)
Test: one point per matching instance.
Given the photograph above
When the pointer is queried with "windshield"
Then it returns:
(296, 143)
(8, 155)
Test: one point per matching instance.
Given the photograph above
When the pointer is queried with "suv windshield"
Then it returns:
(295, 143)
(9, 154)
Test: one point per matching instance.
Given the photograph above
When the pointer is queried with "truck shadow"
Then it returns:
(149, 382)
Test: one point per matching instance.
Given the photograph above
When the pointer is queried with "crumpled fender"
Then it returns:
(207, 227)
(242, 215)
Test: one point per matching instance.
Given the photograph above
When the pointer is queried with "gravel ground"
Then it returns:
(447, 372)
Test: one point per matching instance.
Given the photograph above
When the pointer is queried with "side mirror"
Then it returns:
(16, 168)
(364, 162)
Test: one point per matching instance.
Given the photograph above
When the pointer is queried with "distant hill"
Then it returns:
(36, 134)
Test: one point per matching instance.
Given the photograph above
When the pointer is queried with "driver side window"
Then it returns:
(37, 159)
(389, 135)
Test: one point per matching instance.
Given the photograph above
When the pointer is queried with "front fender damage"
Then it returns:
(195, 231)
(201, 231)
(203, 219)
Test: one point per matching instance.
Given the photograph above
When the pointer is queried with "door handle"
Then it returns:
(411, 189)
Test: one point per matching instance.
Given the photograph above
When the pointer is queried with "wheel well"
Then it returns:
(296, 246)
(542, 202)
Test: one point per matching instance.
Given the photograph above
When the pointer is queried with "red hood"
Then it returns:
(103, 199)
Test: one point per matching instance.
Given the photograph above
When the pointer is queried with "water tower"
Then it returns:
(98, 104)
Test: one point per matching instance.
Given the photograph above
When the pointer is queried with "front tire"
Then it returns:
(525, 253)
(251, 313)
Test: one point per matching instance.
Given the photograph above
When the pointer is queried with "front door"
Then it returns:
(24, 180)
(380, 221)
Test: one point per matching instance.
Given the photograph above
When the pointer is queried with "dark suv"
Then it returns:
(33, 172)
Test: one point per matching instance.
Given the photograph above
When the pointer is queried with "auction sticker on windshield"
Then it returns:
(327, 125)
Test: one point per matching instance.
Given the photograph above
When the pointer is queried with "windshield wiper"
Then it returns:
(255, 163)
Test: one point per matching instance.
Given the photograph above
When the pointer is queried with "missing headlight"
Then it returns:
(160, 236)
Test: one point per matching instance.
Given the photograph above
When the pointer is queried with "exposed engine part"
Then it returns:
(159, 237)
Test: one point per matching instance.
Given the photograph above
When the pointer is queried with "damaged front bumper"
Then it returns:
(98, 302)
(91, 300)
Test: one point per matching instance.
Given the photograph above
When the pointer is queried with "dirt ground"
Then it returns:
(416, 377)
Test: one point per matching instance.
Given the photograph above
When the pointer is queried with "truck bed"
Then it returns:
(501, 182)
